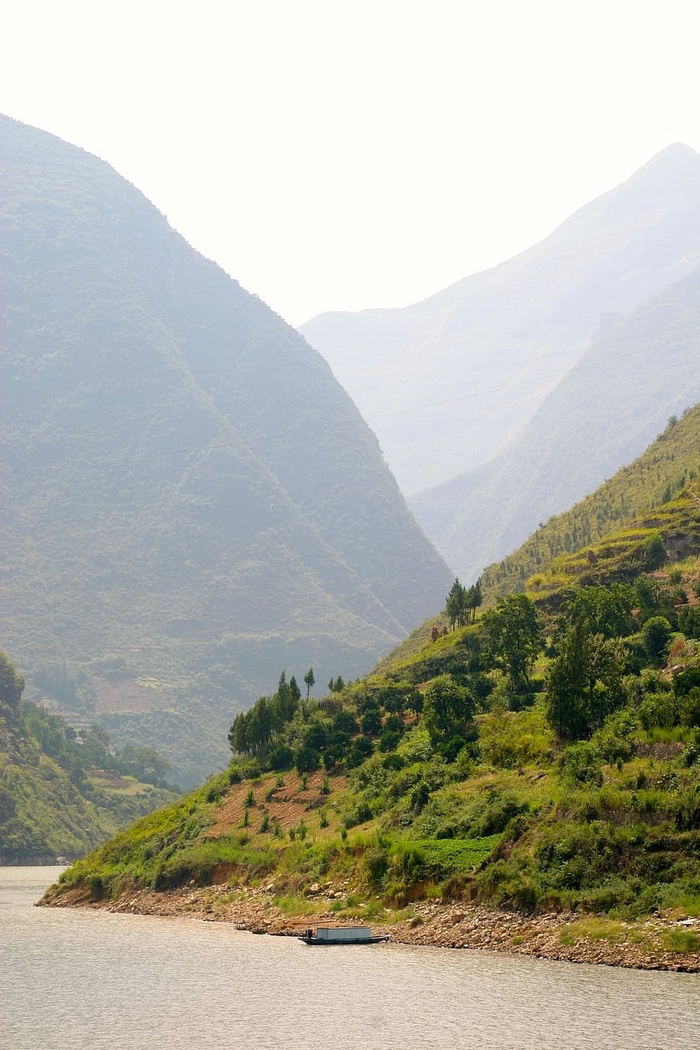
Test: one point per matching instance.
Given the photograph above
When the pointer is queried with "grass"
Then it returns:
(593, 928)
(681, 942)
(450, 856)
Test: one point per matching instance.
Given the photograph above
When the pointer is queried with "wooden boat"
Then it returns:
(341, 935)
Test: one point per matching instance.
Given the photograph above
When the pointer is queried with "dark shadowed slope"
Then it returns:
(447, 383)
(190, 501)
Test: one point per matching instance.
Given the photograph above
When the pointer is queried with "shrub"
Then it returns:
(306, 759)
(281, 757)
(656, 634)
(581, 763)
(689, 707)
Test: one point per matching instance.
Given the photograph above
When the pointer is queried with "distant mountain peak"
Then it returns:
(187, 489)
(677, 165)
(447, 383)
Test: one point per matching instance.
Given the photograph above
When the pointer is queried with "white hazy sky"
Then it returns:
(342, 154)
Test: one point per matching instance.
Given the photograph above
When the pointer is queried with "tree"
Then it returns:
(585, 681)
(456, 605)
(11, 684)
(306, 759)
(656, 634)
(652, 552)
(474, 598)
(309, 681)
(371, 721)
(609, 612)
(447, 709)
(238, 734)
(514, 637)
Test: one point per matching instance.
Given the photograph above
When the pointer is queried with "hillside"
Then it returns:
(60, 796)
(448, 383)
(190, 501)
(602, 415)
(543, 760)
(639, 491)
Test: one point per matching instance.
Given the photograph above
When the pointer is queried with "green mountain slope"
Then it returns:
(53, 801)
(190, 502)
(448, 383)
(543, 758)
(602, 414)
(637, 492)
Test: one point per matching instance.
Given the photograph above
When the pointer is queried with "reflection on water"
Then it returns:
(85, 980)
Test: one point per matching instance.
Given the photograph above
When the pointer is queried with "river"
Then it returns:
(89, 980)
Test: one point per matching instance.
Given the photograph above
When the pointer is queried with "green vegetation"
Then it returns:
(652, 492)
(63, 792)
(544, 757)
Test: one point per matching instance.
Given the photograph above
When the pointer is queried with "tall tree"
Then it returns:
(456, 605)
(514, 637)
(447, 709)
(11, 684)
(309, 681)
(474, 598)
(585, 681)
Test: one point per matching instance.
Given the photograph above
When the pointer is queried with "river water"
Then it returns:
(86, 980)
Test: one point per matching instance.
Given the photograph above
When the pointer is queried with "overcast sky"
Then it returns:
(342, 154)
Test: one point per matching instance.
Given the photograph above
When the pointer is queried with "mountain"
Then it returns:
(190, 502)
(646, 490)
(608, 408)
(61, 795)
(542, 759)
(447, 383)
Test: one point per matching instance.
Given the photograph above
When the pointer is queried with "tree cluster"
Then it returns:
(462, 603)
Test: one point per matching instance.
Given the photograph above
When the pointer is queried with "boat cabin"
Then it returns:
(341, 935)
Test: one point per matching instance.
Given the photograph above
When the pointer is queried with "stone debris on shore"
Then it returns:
(638, 945)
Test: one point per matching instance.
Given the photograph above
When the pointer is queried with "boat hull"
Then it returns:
(345, 940)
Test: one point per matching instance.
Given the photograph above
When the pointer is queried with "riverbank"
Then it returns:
(656, 943)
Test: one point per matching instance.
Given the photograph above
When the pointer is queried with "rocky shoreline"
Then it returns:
(645, 945)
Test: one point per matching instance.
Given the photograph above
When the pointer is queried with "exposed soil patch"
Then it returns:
(288, 804)
(126, 695)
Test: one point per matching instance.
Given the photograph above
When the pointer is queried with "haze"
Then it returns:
(349, 155)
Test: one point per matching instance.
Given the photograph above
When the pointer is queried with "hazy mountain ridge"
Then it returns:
(446, 383)
(188, 494)
(600, 417)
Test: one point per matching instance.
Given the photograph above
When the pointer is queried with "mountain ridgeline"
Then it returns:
(603, 414)
(505, 398)
(190, 502)
(448, 383)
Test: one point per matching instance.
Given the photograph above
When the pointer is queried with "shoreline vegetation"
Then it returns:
(654, 943)
(522, 779)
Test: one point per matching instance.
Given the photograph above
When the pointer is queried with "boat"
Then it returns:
(341, 935)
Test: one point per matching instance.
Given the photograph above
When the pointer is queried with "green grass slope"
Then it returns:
(637, 491)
